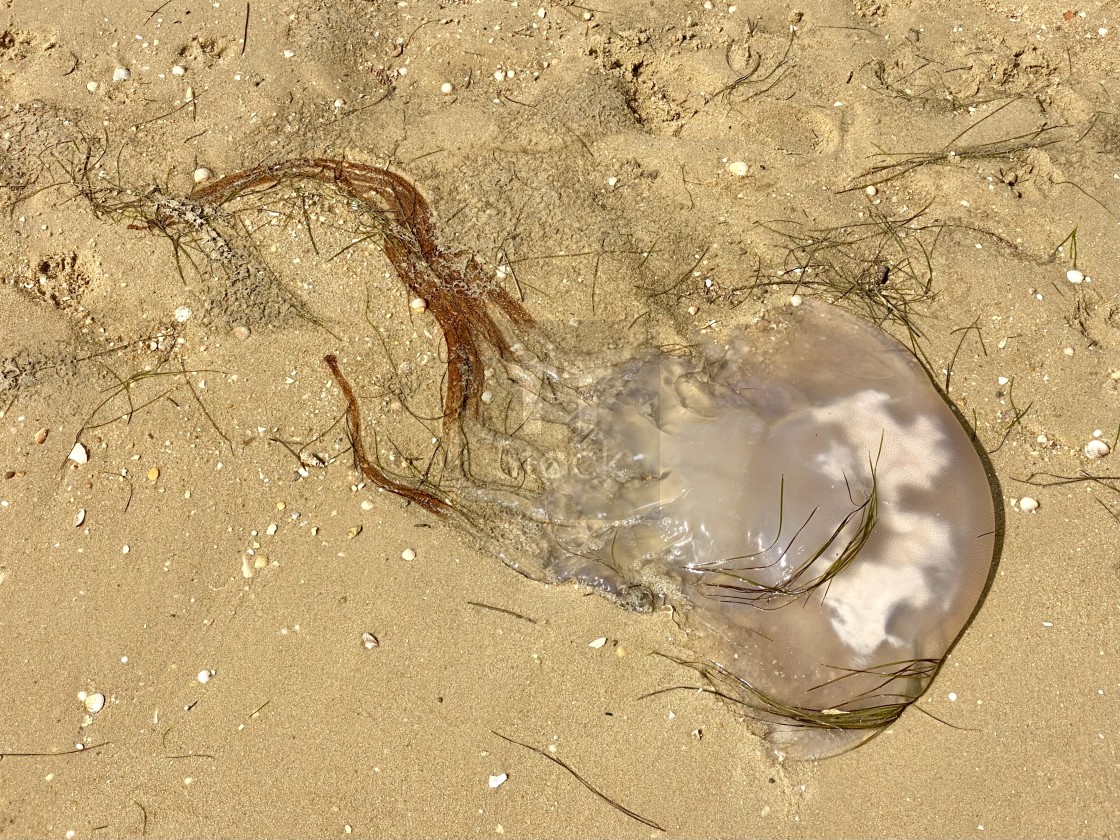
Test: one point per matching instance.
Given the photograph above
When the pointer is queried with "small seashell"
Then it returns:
(79, 517)
(1075, 276)
(1028, 505)
(182, 314)
(201, 174)
(370, 641)
(205, 675)
(408, 554)
(241, 332)
(178, 70)
(121, 74)
(353, 532)
(871, 190)
(79, 454)
(1095, 449)
(94, 703)
(41, 435)
(446, 88)
(597, 643)
(737, 168)
(92, 87)
(418, 305)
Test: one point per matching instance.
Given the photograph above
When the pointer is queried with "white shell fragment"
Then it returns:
(201, 174)
(418, 305)
(94, 703)
(121, 74)
(737, 168)
(408, 554)
(205, 675)
(498, 780)
(182, 314)
(1028, 504)
(79, 517)
(1095, 449)
(370, 641)
(597, 643)
(79, 454)
(1075, 276)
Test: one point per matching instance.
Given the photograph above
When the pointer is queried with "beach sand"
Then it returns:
(593, 149)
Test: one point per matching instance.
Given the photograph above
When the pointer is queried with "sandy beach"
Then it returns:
(211, 627)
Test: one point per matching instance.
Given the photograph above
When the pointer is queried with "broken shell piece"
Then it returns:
(597, 643)
(418, 305)
(370, 641)
(79, 517)
(498, 780)
(1028, 505)
(1095, 449)
(79, 454)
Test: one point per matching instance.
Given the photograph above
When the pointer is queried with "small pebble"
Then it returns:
(205, 675)
(408, 554)
(795, 300)
(153, 473)
(241, 333)
(446, 88)
(92, 87)
(41, 436)
(498, 780)
(121, 74)
(612, 181)
(1074, 276)
(370, 641)
(1095, 449)
(418, 305)
(94, 703)
(79, 454)
(201, 174)
(1028, 505)
(737, 168)
(178, 70)
(871, 191)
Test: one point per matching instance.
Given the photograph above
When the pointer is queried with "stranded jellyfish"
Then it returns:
(801, 496)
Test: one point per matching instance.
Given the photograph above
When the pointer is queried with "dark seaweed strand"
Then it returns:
(616, 805)
(766, 707)
(749, 591)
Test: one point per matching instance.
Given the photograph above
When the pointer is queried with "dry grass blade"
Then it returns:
(898, 164)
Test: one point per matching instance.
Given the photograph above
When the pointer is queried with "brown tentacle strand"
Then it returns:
(426, 500)
(456, 296)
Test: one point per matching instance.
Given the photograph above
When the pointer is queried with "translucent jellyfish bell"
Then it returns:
(809, 503)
